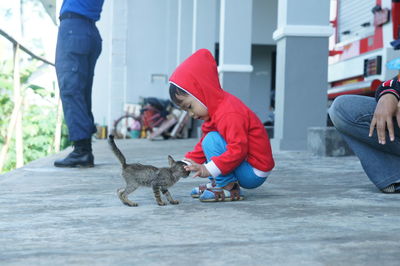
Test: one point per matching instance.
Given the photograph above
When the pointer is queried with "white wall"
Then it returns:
(147, 49)
(150, 47)
(101, 82)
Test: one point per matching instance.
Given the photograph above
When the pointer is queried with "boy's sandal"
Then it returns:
(219, 194)
(197, 191)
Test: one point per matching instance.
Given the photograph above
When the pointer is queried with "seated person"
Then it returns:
(371, 128)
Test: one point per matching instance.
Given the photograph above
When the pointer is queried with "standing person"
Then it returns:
(78, 47)
(234, 150)
(356, 118)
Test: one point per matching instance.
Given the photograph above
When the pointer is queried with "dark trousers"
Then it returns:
(78, 47)
(352, 115)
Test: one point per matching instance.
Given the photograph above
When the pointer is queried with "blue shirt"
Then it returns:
(88, 8)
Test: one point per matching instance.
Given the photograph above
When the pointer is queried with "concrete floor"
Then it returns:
(311, 211)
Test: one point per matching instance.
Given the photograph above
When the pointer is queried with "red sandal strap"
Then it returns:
(219, 195)
(203, 187)
(235, 192)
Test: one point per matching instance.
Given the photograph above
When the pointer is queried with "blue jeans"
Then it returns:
(214, 145)
(78, 47)
(352, 115)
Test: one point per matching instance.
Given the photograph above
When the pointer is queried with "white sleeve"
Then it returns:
(213, 169)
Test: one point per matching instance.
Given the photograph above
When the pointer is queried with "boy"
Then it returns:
(234, 150)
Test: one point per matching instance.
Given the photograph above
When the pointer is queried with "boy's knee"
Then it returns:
(247, 186)
(211, 138)
(251, 184)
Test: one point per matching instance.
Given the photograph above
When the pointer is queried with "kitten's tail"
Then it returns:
(116, 151)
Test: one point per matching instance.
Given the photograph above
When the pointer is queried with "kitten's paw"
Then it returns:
(174, 202)
(131, 204)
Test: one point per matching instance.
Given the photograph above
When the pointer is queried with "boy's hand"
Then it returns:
(385, 110)
(199, 169)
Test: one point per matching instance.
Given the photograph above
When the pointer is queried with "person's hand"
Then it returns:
(199, 169)
(388, 106)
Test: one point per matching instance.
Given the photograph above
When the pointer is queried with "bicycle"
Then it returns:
(157, 118)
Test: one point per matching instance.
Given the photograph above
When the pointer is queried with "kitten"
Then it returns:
(136, 175)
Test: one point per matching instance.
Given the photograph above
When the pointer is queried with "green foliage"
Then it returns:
(6, 104)
(39, 127)
(41, 91)
(38, 117)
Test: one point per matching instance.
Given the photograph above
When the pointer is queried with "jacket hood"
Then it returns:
(198, 75)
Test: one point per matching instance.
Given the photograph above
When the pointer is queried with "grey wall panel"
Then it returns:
(147, 49)
(238, 84)
(260, 80)
(264, 21)
(301, 89)
(307, 12)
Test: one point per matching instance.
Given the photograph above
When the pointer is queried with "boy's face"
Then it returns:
(191, 105)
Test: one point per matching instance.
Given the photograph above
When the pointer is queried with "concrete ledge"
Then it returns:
(327, 141)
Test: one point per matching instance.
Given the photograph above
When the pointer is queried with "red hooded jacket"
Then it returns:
(242, 130)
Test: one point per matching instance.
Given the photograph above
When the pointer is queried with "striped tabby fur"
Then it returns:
(137, 175)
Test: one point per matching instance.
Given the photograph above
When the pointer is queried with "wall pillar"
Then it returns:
(235, 47)
(301, 71)
(204, 25)
(118, 57)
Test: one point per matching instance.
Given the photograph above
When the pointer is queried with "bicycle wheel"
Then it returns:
(124, 125)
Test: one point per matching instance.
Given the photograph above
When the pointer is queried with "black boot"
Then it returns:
(81, 156)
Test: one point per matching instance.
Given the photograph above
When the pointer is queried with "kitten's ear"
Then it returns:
(170, 160)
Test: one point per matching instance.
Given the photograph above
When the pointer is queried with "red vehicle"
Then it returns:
(366, 35)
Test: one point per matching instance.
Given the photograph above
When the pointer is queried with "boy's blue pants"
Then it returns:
(214, 145)
(78, 47)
